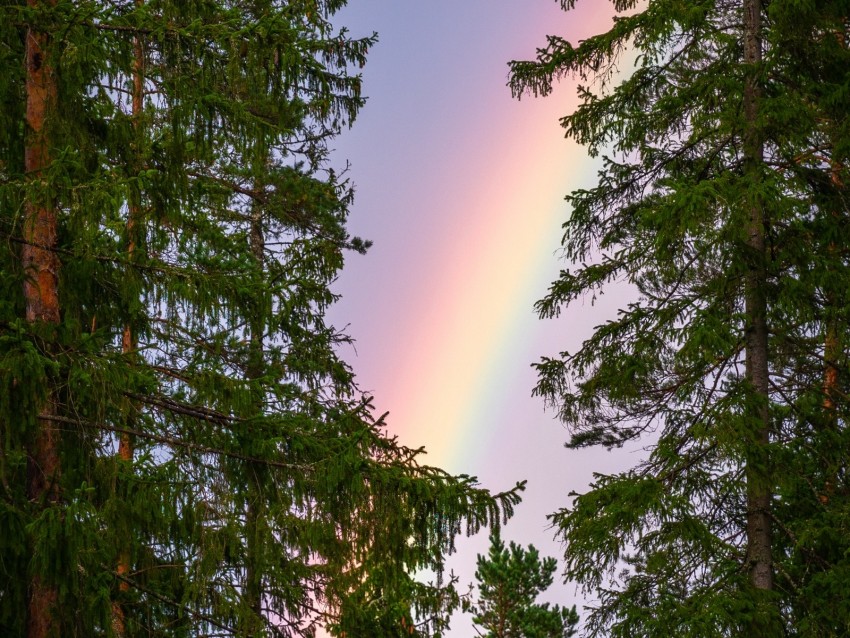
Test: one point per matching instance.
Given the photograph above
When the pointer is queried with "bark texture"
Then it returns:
(128, 337)
(254, 576)
(759, 494)
(41, 293)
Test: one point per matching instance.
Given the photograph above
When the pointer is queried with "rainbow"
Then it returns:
(500, 216)
(462, 189)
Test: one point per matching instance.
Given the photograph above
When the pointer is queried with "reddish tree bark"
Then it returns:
(41, 293)
(128, 338)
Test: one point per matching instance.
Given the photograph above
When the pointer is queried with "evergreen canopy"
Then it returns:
(509, 581)
(722, 203)
(182, 452)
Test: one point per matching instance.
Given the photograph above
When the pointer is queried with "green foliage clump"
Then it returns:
(509, 581)
(182, 451)
(722, 207)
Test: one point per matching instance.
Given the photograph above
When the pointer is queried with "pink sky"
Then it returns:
(461, 188)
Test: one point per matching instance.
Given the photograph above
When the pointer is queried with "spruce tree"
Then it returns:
(183, 451)
(721, 203)
(509, 581)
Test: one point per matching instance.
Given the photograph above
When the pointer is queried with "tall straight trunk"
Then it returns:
(832, 348)
(128, 337)
(832, 455)
(41, 293)
(253, 572)
(831, 352)
(759, 490)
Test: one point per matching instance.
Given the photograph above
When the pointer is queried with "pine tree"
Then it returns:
(509, 581)
(183, 451)
(720, 203)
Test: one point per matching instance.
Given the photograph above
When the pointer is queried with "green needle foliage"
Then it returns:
(509, 581)
(182, 452)
(722, 206)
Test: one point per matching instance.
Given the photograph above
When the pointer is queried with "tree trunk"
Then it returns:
(128, 338)
(759, 490)
(253, 576)
(831, 352)
(41, 293)
(832, 347)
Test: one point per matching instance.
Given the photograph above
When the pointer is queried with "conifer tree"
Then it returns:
(720, 202)
(183, 451)
(509, 581)
(41, 298)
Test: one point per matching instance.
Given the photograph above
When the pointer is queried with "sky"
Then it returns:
(461, 188)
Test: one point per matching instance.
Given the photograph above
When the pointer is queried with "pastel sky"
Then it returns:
(462, 190)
